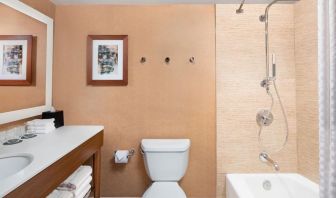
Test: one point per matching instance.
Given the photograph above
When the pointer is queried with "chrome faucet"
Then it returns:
(264, 157)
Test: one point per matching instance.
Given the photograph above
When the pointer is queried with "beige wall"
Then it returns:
(160, 101)
(19, 97)
(307, 88)
(240, 66)
(44, 6)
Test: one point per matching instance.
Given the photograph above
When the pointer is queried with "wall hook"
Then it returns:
(192, 59)
(167, 60)
(143, 60)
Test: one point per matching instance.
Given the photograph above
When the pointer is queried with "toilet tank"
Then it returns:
(165, 159)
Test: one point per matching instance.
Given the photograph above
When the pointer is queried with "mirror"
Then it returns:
(26, 47)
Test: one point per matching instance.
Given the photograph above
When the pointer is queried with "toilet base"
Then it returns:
(164, 190)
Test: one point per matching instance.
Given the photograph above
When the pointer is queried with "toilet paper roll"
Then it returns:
(121, 156)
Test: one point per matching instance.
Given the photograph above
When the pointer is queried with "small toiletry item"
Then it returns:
(57, 115)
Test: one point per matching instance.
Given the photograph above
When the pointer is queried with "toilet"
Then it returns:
(166, 161)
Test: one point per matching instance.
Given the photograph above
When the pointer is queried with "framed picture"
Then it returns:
(15, 60)
(107, 60)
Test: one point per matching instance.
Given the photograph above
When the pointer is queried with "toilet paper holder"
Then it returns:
(131, 153)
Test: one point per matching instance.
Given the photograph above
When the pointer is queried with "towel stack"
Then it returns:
(76, 186)
(41, 126)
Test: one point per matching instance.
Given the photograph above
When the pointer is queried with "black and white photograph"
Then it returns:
(12, 59)
(107, 60)
(15, 60)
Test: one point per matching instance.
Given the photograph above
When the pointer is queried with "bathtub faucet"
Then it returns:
(263, 156)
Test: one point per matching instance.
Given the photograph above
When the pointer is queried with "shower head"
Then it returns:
(240, 9)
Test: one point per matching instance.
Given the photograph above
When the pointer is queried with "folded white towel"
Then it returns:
(84, 192)
(67, 194)
(41, 121)
(79, 176)
(83, 187)
(60, 194)
(71, 187)
(41, 125)
(80, 192)
(40, 131)
(41, 128)
(87, 195)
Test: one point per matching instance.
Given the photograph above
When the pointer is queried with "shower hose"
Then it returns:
(270, 110)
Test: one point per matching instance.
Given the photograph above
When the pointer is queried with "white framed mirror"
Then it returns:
(11, 116)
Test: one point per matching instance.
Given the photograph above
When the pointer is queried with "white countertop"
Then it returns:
(46, 149)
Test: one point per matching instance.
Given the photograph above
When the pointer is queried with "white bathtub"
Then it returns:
(270, 186)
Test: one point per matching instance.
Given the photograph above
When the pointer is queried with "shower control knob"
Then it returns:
(264, 118)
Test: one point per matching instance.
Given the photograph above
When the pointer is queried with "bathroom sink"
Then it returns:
(12, 164)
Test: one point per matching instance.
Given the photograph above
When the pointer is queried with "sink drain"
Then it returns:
(267, 185)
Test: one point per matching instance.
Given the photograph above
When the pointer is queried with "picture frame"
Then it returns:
(107, 60)
(16, 60)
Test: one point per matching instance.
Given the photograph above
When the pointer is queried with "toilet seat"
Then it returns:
(164, 190)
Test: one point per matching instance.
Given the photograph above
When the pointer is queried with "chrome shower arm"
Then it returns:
(269, 6)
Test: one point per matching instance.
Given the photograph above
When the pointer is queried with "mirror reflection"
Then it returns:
(23, 60)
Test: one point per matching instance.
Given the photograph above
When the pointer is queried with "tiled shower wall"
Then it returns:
(240, 53)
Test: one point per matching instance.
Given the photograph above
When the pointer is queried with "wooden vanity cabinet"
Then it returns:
(42, 184)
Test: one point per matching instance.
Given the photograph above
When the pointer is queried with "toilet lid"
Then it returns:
(164, 190)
